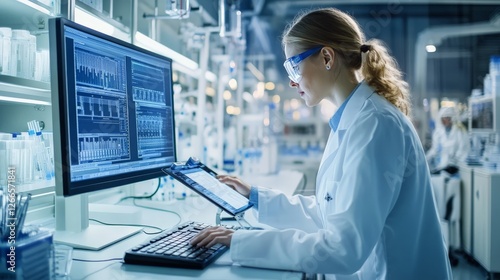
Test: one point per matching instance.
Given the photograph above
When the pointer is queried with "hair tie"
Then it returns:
(365, 48)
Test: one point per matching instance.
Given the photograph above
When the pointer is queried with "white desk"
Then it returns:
(286, 181)
(193, 208)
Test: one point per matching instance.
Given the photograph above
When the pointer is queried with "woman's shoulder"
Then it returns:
(378, 107)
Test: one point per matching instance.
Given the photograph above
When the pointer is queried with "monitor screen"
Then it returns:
(482, 114)
(112, 109)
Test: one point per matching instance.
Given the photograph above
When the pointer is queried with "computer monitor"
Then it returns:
(113, 119)
(483, 117)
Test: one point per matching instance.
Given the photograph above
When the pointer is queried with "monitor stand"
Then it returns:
(73, 228)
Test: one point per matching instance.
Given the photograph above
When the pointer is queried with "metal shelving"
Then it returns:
(20, 88)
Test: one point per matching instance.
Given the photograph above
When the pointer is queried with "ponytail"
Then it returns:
(381, 72)
(336, 29)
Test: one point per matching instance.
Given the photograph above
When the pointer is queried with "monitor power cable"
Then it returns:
(149, 196)
(160, 230)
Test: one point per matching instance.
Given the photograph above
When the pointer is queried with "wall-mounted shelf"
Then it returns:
(24, 14)
(20, 88)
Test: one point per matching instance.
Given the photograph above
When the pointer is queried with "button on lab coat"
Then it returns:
(373, 216)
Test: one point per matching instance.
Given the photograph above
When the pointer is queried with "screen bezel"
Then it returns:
(59, 81)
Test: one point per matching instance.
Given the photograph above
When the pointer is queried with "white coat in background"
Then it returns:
(373, 216)
(449, 148)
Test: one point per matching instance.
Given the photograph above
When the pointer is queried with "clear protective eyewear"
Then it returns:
(292, 64)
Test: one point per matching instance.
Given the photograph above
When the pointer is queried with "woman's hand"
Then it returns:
(211, 236)
(236, 184)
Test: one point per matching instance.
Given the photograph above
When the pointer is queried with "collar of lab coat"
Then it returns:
(359, 96)
(357, 100)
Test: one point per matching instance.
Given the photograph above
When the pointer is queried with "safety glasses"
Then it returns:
(292, 64)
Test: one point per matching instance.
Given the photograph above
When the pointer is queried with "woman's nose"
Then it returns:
(293, 84)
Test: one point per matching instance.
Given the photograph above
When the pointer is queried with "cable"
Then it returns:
(95, 272)
(159, 209)
(106, 260)
(133, 225)
(143, 197)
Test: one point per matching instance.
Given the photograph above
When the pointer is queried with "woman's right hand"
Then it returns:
(236, 184)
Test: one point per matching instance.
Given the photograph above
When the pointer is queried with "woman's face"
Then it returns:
(312, 87)
(446, 121)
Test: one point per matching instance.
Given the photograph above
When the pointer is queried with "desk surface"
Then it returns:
(193, 208)
(286, 181)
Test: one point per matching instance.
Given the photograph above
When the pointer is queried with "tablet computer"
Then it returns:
(203, 181)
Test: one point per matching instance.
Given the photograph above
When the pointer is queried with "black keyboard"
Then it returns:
(172, 249)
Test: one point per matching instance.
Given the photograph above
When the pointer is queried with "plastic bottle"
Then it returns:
(495, 65)
(5, 54)
(20, 49)
(41, 156)
(30, 71)
(15, 154)
(495, 75)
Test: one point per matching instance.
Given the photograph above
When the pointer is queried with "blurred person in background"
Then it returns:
(450, 143)
(450, 146)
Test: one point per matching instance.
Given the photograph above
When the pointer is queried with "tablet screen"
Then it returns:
(207, 185)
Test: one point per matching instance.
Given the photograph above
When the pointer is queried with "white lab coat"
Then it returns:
(373, 216)
(451, 148)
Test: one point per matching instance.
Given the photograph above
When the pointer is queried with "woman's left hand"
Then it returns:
(211, 236)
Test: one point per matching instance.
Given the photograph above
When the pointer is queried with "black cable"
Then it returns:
(159, 209)
(133, 225)
(143, 197)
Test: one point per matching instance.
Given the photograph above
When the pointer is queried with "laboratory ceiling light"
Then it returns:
(226, 95)
(210, 91)
(430, 48)
(24, 100)
(276, 98)
(448, 103)
(233, 110)
(233, 84)
(266, 121)
(270, 86)
(258, 94)
(154, 46)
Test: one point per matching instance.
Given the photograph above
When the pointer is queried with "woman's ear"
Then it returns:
(328, 55)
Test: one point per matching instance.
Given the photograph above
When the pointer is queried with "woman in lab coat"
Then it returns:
(450, 146)
(373, 216)
(450, 142)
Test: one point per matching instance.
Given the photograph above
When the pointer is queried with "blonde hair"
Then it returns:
(333, 28)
